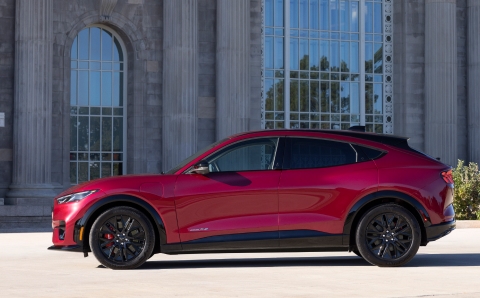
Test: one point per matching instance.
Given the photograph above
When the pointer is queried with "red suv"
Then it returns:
(267, 191)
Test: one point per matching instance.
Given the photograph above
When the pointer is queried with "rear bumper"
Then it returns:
(435, 232)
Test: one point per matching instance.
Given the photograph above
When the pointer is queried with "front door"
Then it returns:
(236, 202)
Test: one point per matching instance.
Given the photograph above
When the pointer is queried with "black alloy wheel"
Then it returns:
(388, 236)
(122, 238)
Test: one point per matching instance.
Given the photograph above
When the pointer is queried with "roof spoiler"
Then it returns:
(357, 128)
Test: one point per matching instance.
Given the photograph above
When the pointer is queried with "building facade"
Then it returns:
(95, 88)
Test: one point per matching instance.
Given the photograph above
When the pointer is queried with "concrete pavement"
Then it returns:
(449, 267)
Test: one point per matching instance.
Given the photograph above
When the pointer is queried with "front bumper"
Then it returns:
(435, 232)
(74, 248)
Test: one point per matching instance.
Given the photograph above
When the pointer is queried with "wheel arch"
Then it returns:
(379, 198)
(116, 201)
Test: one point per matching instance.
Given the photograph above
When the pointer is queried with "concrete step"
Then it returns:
(16, 224)
(29, 201)
(24, 210)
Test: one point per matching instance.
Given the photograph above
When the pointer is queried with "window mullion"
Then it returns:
(286, 63)
(362, 61)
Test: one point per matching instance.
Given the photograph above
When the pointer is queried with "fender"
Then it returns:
(87, 217)
(364, 203)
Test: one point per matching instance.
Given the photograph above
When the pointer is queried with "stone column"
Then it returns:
(32, 122)
(473, 53)
(441, 80)
(180, 81)
(233, 67)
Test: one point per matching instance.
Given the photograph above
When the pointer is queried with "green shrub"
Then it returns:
(467, 191)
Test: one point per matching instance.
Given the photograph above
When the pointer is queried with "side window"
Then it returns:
(315, 153)
(251, 155)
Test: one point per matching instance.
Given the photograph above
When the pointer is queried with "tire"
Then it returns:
(122, 238)
(388, 236)
(355, 251)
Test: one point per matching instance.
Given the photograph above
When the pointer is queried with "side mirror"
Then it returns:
(201, 168)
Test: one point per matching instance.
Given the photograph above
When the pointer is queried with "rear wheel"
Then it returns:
(122, 238)
(388, 236)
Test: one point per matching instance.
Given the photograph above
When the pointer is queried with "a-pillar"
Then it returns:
(441, 80)
(233, 67)
(473, 50)
(180, 81)
(32, 123)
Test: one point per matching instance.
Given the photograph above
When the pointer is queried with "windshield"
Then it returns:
(189, 159)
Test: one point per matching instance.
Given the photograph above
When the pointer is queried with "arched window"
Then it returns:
(97, 114)
(328, 64)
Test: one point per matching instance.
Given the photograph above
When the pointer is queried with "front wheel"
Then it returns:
(388, 236)
(122, 238)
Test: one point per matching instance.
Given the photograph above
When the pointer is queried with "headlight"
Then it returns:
(75, 197)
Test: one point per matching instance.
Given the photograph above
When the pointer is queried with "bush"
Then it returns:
(467, 191)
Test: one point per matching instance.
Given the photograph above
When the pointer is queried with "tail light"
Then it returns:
(447, 177)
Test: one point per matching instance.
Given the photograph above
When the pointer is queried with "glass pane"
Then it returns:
(94, 43)
(334, 21)
(83, 133)
(106, 169)
(324, 54)
(303, 53)
(355, 98)
(268, 52)
(107, 43)
(116, 89)
(324, 14)
(269, 12)
(94, 133)
(304, 93)
(278, 52)
(279, 95)
(325, 100)
(293, 13)
(106, 157)
(106, 134)
(354, 56)
(314, 55)
(106, 88)
(345, 98)
(314, 96)
(117, 51)
(354, 25)
(335, 97)
(345, 56)
(314, 13)
(378, 18)
(73, 133)
(95, 88)
(83, 44)
(94, 170)
(378, 57)
(378, 96)
(73, 88)
(369, 98)
(73, 173)
(368, 57)
(294, 103)
(304, 14)
(368, 17)
(117, 169)
(269, 95)
(82, 172)
(117, 134)
(344, 16)
(294, 59)
(279, 13)
(83, 88)
(335, 57)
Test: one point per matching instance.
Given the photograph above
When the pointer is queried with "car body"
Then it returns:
(264, 191)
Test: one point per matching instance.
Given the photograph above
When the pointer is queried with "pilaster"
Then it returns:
(233, 67)
(441, 80)
(32, 152)
(473, 53)
(180, 81)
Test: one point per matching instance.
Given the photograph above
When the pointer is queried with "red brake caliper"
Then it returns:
(109, 237)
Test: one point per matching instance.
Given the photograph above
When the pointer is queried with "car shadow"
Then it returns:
(421, 260)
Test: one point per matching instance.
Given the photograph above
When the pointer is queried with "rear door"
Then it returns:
(320, 180)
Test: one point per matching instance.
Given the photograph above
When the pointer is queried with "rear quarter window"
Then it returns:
(303, 153)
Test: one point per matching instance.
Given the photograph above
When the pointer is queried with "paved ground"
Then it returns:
(449, 268)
